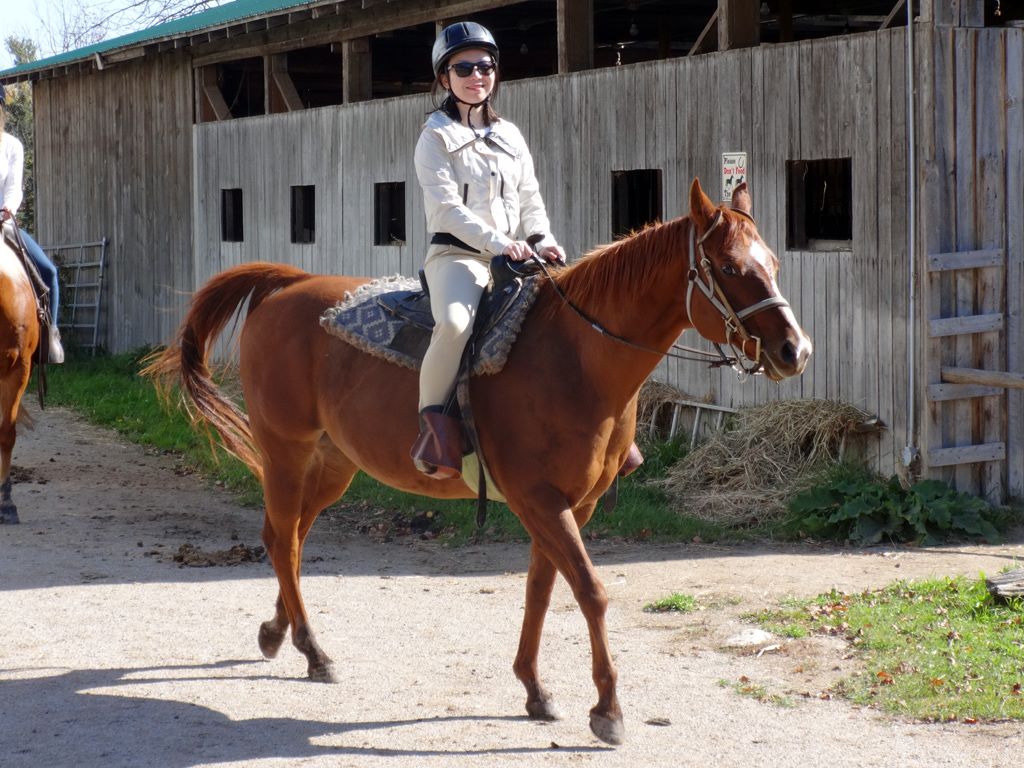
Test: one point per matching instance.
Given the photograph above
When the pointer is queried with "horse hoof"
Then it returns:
(608, 730)
(543, 709)
(322, 674)
(270, 640)
(9, 515)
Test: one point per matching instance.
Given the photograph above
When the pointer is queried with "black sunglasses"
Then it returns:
(465, 68)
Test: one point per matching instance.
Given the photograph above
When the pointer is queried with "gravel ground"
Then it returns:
(114, 654)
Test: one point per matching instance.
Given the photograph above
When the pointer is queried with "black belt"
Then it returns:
(447, 238)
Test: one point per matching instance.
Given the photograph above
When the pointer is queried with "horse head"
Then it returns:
(732, 297)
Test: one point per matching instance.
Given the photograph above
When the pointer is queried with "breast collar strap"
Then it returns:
(734, 328)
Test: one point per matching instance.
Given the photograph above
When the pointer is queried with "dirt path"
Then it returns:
(113, 654)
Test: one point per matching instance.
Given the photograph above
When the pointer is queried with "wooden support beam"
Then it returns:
(958, 326)
(357, 70)
(943, 392)
(282, 96)
(966, 454)
(939, 262)
(575, 35)
(211, 105)
(891, 18)
(739, 24)
(707, 37)
(1007, 379)
(351, 22)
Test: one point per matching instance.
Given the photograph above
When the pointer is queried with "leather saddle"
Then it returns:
(413, 307)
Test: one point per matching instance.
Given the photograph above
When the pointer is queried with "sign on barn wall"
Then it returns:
(734, 173)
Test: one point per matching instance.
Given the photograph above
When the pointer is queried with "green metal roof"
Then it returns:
(221, 16)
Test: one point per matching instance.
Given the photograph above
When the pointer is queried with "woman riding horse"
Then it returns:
(12, 161)
(481, 199)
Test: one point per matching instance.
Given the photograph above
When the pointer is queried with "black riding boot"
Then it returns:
(437, 452)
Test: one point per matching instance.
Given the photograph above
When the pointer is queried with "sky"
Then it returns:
(33, 18)
(21, 18)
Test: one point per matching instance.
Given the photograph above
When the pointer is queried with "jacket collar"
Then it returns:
(458, 136)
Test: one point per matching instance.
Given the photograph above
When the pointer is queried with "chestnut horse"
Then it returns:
(19, 337)
(554, 425)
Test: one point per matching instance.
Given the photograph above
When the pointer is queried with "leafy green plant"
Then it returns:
(857, 507)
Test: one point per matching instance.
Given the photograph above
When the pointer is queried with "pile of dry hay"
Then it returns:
(745, 475)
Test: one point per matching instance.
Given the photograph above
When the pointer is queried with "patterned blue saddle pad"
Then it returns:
(390, 319)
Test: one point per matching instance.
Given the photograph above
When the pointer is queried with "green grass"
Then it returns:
(108, 391)
(940, 649)
(677, 602)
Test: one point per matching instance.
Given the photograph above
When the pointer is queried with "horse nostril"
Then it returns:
(788, 353)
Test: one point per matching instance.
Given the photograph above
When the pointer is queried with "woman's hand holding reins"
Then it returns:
(553, 254)
(520, 250)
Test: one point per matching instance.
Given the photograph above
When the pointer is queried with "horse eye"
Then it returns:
(729, 269)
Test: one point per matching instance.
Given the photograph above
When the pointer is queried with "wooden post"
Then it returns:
(575, 35)
(739, 24)
(356, 67)
(785, 21)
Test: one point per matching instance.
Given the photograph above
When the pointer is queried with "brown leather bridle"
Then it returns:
(734, 327)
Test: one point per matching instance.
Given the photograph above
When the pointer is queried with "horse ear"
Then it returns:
(741, 199)
(702, 210)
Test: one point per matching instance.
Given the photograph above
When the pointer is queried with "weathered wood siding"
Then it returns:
(972, 139)
(840, 97)
(113, 159)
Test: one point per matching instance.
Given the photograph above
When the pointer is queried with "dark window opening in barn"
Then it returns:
(819, 209)
(305, 78)
(304, 214)
(231, 216)
(389, 213)
(636, 200)
(241, 86)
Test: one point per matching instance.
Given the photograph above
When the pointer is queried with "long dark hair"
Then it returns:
(450, 106)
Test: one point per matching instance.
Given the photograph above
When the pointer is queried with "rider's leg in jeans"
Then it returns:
(48, 271)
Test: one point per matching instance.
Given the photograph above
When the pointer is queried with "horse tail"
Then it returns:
(183, 364)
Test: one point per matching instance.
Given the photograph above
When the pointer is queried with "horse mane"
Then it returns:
(621, 270)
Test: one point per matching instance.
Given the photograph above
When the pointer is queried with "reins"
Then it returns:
(714, 294)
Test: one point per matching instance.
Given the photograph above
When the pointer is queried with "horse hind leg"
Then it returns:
(8, 511)
(8, 434)
(292, 507)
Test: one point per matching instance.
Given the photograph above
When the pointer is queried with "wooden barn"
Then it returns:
(886, 163)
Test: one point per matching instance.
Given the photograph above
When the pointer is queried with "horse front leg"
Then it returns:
(557, 534)
(539, 582)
